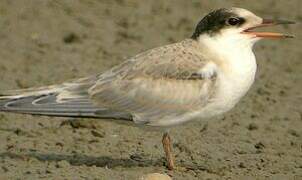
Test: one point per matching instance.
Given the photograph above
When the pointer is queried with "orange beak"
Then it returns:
(272, 35)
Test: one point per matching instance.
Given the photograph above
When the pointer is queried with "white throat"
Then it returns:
(236, 66)
(232, 51)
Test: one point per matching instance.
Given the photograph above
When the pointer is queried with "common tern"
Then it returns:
(200, 77)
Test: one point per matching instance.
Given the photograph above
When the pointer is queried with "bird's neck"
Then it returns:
(227, 43)
(229, 49)
(233, 54)
(236, 65)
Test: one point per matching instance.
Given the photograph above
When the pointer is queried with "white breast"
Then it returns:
(235, 81)
(235, 66)
(236, 73)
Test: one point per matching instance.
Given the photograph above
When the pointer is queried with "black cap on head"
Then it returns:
(217, 20)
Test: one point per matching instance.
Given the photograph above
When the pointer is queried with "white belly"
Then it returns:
(236, 69)
(232, 85)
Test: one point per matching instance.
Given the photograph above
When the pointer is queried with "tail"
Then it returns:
(66, 100)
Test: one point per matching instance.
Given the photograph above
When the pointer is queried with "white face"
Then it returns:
(243, 31)
(234, 27)
(237, 32)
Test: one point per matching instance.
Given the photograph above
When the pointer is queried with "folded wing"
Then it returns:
(157, 87)
(67, 100)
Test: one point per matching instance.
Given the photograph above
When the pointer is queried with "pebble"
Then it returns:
(70, 38)
(252, 127)
(76, 124)
(293, 132)
(98, 134)
(259, 145)
(62, 164)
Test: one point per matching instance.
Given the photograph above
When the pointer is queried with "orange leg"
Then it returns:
(168, 150)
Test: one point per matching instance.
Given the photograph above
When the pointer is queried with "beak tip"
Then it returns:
(289, 36)
(291, 22)
(277, 21)
(285, 22)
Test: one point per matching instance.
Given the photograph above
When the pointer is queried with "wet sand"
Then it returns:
(50, 41)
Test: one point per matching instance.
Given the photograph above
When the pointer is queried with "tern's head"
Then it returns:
(235, 24)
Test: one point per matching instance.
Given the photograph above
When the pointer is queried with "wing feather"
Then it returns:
(159, 84)
(69, 100)
(151, 88)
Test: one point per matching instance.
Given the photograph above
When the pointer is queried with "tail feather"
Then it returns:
(59, 101)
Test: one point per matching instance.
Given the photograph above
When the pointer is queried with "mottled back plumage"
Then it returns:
(162, 83)
(159, 84)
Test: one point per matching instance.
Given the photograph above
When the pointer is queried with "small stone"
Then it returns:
(70, 38)
(262, 91)
(282, 93)
(156, 176)
(62, 164)
(47, 171)
(241, 165)
(204, 128)
(253, 116)
(259, 145)
(93, 141)
(252, 127)
(76, 124)
(293, 133)
(5, 169)
(138, 157)
(59, 144)
(98, 134)
(19, 132)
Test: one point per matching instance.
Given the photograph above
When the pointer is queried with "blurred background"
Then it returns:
(51, 41)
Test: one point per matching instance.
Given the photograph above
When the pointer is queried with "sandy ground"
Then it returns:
(50, 41)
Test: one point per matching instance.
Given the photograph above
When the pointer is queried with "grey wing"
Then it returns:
(66, 100)
(160, 84)
(156, 87)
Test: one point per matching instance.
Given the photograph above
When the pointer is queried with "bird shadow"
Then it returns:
(80, 159)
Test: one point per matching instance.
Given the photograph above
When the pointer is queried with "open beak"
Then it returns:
(272, 35)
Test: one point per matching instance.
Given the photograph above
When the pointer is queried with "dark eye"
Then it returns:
(233, 21)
